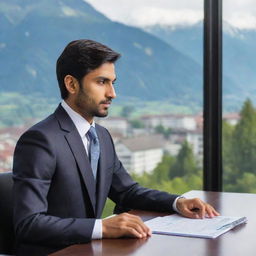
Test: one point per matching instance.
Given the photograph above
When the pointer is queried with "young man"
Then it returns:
(66, 166)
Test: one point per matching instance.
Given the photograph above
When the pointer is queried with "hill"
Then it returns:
(239, 56)
(35, 32)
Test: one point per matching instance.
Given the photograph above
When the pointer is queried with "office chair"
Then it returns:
(6, 224)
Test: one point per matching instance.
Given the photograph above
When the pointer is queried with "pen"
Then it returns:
(234, 223)
(225, 226)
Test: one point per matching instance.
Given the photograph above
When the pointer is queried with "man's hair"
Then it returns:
(81, 57)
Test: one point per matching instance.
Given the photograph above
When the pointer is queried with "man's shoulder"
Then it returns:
(99, 127)
(102, 129)
(104, 133)
(45, 125)
(41, 133)
(52, 122)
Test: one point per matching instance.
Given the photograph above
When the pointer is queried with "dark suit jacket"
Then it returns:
(56, 200)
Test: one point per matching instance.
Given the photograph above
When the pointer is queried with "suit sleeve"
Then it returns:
(33, 169)
(127, 193)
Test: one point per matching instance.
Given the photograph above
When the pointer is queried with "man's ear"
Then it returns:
(71, 84)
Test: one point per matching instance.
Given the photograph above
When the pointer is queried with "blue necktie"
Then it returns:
(94, 151)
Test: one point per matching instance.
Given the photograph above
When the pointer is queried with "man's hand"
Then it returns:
(124, 224)
(195, 208)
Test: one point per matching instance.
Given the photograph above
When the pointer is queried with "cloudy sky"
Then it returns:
(239, 13)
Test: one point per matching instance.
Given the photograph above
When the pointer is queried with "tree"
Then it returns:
(108, 208)
(230, 171)
(161, 172)
(135, 123)
(247, 183)
(162, 130)
(227, 142)
(244, 140)
(127, 111)
(160, 178)
(185, 163)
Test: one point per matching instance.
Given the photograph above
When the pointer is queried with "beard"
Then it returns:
(88, 107)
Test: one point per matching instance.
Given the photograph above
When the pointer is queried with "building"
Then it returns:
(140, 154)
(195, 139)
(8, 139)
(232, 118)
(172, 121)
(118, 125)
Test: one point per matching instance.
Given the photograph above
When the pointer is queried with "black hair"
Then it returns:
(79, 58)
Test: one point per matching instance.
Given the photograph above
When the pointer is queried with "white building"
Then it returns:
(115, 124)
(195, 139)
(232, 118)
(141, 154)
(172, 148)
(187, 122)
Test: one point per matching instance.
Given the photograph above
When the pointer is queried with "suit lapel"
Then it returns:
(102, 176)
(76, 145)
(77, 148)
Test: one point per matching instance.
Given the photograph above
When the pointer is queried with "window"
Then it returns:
(156, 121)
(239, 80)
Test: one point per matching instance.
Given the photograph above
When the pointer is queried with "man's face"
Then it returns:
(96, 92)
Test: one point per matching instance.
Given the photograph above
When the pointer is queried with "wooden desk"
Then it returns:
(237, 242)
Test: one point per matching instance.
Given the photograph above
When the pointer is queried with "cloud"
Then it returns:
(239, 13)
(243, 21)
(155, 15)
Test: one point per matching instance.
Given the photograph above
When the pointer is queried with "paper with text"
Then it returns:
(203, 228)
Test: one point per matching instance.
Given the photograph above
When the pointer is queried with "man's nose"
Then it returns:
(111, 93)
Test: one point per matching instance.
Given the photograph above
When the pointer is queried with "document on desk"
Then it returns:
(202, 228)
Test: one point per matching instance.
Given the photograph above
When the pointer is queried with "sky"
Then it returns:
(239, 13)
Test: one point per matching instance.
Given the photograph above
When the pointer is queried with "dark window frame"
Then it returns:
(212, 174)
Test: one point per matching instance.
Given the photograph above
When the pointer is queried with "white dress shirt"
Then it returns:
(83, 126)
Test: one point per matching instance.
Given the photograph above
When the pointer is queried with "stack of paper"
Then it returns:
(203, 228)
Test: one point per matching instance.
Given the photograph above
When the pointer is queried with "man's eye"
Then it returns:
(101, 81)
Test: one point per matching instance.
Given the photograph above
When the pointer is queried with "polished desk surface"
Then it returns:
(239, 241)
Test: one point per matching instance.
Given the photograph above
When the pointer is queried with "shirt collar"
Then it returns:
(82, 125)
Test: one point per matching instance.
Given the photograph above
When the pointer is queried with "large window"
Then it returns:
(156, 120)
(239, 83)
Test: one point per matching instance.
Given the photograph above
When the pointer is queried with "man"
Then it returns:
(65, 167)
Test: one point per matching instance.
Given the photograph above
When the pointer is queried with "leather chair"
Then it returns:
(6, 224)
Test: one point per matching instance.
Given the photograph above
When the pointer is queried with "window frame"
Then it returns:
(212, 174)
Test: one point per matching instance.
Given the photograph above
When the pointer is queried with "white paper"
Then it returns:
(205, 228)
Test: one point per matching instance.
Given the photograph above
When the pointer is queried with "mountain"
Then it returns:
(239, 56)
(33, 34)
